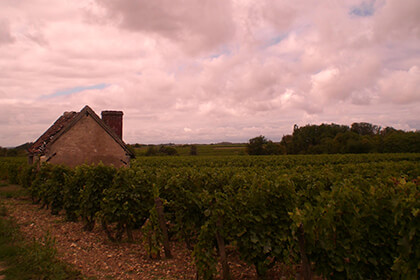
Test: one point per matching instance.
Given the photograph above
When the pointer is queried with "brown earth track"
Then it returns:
(1, 269)
(95, 256)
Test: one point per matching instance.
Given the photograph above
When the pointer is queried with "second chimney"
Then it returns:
(113, 119)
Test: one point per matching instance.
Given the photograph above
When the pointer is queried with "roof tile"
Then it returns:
(44, 139)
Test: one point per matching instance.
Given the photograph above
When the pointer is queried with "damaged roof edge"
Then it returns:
(68, 122)
(51, 132)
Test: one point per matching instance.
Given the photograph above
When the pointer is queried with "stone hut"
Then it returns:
(83, 137)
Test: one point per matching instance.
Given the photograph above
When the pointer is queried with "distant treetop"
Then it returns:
(333, 138)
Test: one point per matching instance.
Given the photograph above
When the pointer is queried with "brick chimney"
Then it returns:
(113, 119)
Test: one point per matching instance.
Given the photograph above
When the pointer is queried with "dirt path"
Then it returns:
(95, 256)
(1, 269)
(92, 253)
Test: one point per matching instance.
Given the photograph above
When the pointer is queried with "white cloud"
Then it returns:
(401, 86)
(209, 71)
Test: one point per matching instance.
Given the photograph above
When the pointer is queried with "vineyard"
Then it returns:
(336, 216)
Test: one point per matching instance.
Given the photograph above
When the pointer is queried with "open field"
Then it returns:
(203, 149)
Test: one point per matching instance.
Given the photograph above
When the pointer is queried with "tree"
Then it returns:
(256, 145)
(402, 142)
(310, 138)
(3, 151)
(360, 138)
(262, 146)
(363, 128)
(11, 152)
(170, 151)
(272, 148)
(287, 143)
(151, 151)
(193, 150)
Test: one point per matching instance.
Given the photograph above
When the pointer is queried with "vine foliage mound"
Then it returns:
(342, 217)
(98, 179)
(125, 204)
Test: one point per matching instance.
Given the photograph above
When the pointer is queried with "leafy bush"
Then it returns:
(73, 184)
(98, 179)
(350, 231)
(27, 176)
(406, 210)
(13, 173)
(126, 203)
(39, 187)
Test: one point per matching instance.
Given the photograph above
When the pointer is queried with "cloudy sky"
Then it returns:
(205, 71)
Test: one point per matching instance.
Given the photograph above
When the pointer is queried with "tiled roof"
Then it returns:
(60, 123)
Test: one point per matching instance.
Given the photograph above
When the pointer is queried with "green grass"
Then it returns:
(12, 191)
(29, 260)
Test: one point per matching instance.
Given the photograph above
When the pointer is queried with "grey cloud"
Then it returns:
(281, 14)
(25, 121)
(398, 20)
(414, 124)
(5, 33)
(196, 25)
(37, 38)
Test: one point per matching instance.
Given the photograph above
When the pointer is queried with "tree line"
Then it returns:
(338, 139)
(18, 151)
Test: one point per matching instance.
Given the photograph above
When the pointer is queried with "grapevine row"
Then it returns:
(338, 218)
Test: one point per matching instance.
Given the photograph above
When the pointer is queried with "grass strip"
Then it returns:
(23, 259)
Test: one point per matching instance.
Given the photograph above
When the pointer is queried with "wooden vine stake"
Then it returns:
(306, 272)
(163, 228)
(222, 250)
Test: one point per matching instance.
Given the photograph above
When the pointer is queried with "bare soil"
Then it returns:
(95, 256)
(1, 269)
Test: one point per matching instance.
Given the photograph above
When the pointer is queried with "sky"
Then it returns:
(207, 71)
